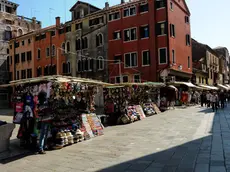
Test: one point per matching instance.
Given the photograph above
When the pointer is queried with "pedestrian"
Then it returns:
(214, 101)
(222, 99)
(202, 99)
(208, 96)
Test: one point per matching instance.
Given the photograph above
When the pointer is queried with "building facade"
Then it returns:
(11, 26)
(206, 64)
(88, 42)
(147, 37)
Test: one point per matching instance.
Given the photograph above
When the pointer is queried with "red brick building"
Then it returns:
(148, 37)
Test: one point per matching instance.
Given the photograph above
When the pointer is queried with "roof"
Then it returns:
(150, 84)
(56, 78)
(85, 3)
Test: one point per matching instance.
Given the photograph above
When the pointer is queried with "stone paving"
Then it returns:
(183, 140)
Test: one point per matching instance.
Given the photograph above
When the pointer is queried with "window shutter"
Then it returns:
(170, 29)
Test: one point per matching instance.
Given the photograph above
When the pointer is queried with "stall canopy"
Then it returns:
(208, 87)
(188, 84)
(222, 87)
(56, 78)
(151, 84)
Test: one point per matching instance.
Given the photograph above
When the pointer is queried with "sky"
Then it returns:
(209, 18)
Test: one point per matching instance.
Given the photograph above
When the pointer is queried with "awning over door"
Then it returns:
(222, 87)
(208, 87)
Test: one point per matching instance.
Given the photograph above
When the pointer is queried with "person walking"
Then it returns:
(222, 99)
(202, 97)
(214, 101)
(208, 96)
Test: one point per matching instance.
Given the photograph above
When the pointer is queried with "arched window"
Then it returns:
(46, 71)
(68, 47)
(79, 65)
(20, 32)
(39, 71)
(78, 44)
(68, 67)
(8, 33)
(53, 50)
(83, 65)
(85, 43)
(100, 63)
(99, 39)
(64, 67)
(90, 63)
(54, 70)
(63, 48)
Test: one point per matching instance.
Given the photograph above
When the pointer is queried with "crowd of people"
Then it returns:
(214, 99)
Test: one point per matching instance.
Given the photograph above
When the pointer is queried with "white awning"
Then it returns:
(208, 87)
(189, 84)
(222, 87)
(173, 87)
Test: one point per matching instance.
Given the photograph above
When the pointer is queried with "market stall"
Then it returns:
(57, 110)
(129, 102)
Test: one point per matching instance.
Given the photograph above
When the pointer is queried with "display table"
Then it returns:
(5, 134)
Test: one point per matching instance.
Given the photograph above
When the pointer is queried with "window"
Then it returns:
(43, 35)
(63, 48)
(117, 58)
(23, 43)
(17, 58)
(23, 57)
(29, 41)
(23, 74)
(162, 55)
(96, 21)
(117, 79)
(171, 5)
(130, 11)
(8, 33)
(114, 16)
(90, 61)
(68, 47)
(68, 67)
(85, 43)
(117, 35)
(39, 71)
(144, 8)
(137, 78)
(54, 70)
(188, 39)
(49, 70)
(188, 62)
(186, 19)
(38, 54)
(47, 52)
(78, 26)
(130, 34)
(173, 57)
(161, 28)
(29, 73)
(160, 4)
(46, 70)
(125, 79)
(37, 37)
(10, 46)
(100, 63)
(99, 40)
(145, 58)
(18, 75)
(7, 51)
(16, 44)
(61, 31)
(144, 31)
(79, 64)
(29, 55)
(172, 30)
(78, 44)
(53, 33)
(68, 29)
(53, 50)
(130, 60)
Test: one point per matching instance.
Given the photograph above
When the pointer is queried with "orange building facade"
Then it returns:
(38, 53)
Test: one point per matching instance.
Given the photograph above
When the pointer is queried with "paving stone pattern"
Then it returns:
(183, 140)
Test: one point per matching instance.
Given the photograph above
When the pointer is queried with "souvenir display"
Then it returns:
(57, 114)
(125, 101)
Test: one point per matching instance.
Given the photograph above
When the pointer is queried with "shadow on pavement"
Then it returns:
(200, 155)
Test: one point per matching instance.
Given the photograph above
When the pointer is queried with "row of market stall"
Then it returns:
(60, 110)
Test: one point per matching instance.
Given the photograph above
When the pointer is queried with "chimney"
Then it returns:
(58, 21)
(122, 1)
(106, 5)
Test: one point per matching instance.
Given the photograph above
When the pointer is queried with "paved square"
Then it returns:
(183, 140)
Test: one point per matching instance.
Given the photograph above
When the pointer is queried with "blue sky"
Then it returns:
(209, 19)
